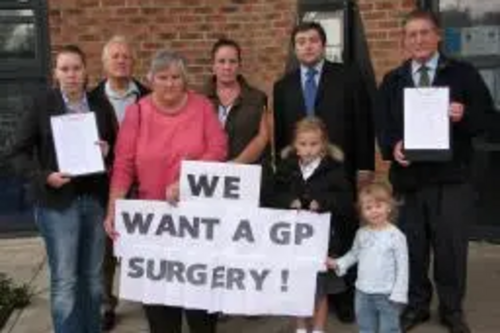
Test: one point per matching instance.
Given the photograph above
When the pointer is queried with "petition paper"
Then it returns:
(426, 119)
(75, 138)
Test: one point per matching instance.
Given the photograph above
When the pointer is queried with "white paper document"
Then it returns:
(426, 119)
(75, 139)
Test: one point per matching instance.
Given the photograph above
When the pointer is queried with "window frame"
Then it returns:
(346, 6)
(38, 66)
(31, 74)
(481, 62)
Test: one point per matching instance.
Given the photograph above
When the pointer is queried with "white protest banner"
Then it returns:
(268, 258)
(254, 286)
(224, 229)
(212, 182)
(217, 250)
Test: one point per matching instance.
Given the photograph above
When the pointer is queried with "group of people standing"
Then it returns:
(321, 127)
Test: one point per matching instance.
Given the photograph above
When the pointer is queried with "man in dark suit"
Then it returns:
(437, 196)
(336, 94)
(115, 93)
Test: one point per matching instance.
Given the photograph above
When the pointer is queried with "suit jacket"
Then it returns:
(33, 152)
(466, 87)
(327, 185)
(344, 105)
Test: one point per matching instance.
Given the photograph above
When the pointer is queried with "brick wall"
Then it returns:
(382, 20)
(191, 26)
(188, 26)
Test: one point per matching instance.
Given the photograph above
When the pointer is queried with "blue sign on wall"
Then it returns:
(453, 41)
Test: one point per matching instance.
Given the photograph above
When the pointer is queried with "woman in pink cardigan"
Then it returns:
(162, 129)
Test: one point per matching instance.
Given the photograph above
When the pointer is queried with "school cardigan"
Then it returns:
(151, 144)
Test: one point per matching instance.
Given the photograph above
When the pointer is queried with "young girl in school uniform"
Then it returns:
(311, 176)
(381, 253)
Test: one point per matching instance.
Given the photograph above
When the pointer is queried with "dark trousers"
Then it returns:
(168, 319)
(108, 272)
(438, 217)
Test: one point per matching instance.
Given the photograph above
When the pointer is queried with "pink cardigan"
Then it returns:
(152, 144)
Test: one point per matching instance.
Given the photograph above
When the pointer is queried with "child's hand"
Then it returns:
(296, 204)
(314, 206)
(331, 263)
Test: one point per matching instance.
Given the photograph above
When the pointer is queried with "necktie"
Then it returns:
(425, 80)
(310, 90)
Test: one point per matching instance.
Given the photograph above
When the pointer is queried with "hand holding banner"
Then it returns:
(237, 258)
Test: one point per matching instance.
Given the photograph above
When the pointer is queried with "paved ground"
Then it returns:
(24, 260)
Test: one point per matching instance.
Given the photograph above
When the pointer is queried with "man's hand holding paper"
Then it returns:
(427, 129)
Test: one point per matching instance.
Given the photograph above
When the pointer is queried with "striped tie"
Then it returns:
(425, 80)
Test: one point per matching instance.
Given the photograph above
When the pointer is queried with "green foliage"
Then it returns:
(12, 296)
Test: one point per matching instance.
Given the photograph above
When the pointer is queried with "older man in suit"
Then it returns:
(437, 197)
(336, 94)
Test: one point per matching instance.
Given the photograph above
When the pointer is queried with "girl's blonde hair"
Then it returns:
(312, 124)
(379, 192)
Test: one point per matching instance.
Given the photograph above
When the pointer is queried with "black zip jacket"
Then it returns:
(33, 153)
(466, 87)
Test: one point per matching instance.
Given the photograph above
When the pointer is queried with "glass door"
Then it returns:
(24, 53)
(471, 31)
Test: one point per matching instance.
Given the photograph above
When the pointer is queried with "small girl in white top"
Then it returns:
(381, 252)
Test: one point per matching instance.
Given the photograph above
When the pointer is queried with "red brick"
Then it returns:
(152, 11)
(55, 13)
(191, 35)
(228, 9)
(113, 3)
(376, 34)
(139, 3)
(203, 10)
(365, 7)
(389, 24)
(386, 5)
(375, 15)
(127, 11)
(89, 3)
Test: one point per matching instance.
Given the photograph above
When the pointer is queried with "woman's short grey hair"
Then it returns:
(163, 59)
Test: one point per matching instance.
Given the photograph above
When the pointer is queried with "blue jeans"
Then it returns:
(376, 313)
(74, 240)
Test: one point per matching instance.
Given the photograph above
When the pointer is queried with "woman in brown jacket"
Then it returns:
(241, 108)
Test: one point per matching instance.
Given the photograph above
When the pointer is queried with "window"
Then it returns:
(332, 22)
(17, 34)
(331, 15)
(472, 32)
